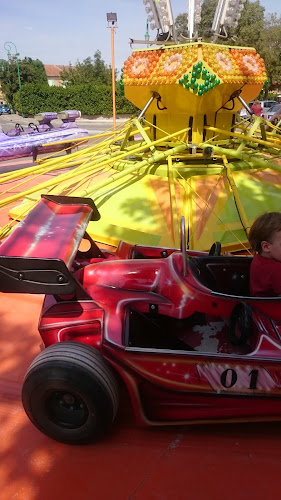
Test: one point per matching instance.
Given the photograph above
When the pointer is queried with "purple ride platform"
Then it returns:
(19, 142)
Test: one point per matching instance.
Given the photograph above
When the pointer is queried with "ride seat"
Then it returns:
(229, 275)
(202, 274)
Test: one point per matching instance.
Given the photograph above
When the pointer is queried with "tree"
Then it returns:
(271, 48)
(89, 71)
(207, 15)
(29, 70)
(181, 25)
(251, 25)
(32, 71)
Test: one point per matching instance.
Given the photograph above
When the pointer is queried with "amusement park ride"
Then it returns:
(19, 142)
(187, 153)
(164, 312)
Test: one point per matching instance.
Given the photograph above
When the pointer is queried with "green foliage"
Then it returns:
(90, 99)
(271, 48)
(181, 25)
(251, 26)
(207, 15)
(15, 73)
(89, 71)
(254, 30)
(123, 106)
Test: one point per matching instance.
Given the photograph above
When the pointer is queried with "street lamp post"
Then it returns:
(146, 36)
(8, 46)
(112, 19)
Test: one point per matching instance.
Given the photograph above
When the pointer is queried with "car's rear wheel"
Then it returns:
(70, 393)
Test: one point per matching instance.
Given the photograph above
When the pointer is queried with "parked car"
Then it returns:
(5, 108)
(178, 327)
(274, 110)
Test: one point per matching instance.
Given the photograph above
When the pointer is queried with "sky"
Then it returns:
(63, 31)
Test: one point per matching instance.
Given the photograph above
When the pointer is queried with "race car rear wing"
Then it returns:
(38, 255)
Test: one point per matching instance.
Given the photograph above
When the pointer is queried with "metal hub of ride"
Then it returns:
(160, 16)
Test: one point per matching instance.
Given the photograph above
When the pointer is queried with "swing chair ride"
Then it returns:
(187, 153)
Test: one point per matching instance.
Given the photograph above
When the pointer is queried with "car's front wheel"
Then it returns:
(70, 393)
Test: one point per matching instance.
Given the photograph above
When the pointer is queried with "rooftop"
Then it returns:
(54, 69)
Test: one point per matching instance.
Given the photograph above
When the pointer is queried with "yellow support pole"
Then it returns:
(102, 134)
(34, 170)
(250, 132)
(135, 168)
(144, 134)
(253, 160)
(60, 163)
(25, 172)
(111, 158)
(239, 136)
(90, 149)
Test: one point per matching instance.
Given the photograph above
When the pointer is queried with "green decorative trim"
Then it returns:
(121, 83)
(199, 80)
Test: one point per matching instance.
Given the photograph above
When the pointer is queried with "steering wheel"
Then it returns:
(215, 249)
(183, 245)
(34, 126)
(241, 317)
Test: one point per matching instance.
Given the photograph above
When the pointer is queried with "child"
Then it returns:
(257, 108)
(265, 240)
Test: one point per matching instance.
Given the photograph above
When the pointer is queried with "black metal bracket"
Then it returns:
(93, 252)
(35, 275)
(158, 98)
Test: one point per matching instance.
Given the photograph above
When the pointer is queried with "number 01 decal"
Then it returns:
(238, 378)
(229, 378)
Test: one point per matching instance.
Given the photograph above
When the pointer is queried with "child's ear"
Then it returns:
(265, 246)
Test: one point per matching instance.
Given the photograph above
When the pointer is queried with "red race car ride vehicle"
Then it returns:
(178, 327)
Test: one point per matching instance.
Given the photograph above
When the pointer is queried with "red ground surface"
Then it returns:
(219, 462)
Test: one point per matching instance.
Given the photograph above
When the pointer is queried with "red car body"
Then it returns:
(178, 327)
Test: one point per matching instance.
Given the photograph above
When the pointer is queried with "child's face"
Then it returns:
(272, 249)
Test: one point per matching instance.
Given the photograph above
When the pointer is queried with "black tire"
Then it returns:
(70, 393)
